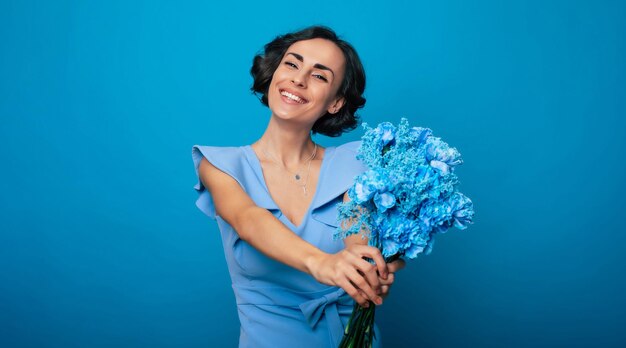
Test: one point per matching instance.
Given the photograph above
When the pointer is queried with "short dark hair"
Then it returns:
(351, 88)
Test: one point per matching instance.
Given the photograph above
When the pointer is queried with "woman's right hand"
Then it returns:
(348, 270)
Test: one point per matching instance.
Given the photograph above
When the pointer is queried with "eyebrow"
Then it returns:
(317, 65)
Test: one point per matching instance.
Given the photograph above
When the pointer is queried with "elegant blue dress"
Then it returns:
(280, 306)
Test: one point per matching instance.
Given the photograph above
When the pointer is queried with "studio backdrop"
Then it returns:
(101, 244)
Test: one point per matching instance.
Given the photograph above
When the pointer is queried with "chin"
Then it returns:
(282, 111)
(285, 114)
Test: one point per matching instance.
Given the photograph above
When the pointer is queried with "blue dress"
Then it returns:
(280, 306)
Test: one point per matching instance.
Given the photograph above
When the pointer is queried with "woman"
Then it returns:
(275, 201)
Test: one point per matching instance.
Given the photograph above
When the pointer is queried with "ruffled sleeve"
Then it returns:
(224, 159)
(343, 168)
(235, 162)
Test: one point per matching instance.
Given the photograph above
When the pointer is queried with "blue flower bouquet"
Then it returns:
(408, 195)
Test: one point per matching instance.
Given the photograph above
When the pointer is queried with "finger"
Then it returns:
(354, 293)
(385, 291)
(369, 272)
(364, 295)
(362, 284)
(366, 270)
(390, 278)
(375, 255)
(396, 265)
(367, 301)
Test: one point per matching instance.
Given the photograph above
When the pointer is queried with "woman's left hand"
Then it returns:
(393, 267)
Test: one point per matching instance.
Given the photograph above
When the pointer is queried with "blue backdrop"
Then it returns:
(101, 244)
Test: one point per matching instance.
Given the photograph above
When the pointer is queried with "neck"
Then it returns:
(289, 144)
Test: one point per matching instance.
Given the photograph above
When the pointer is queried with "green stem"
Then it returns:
(359, 332)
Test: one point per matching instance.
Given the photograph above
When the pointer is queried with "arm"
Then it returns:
(263, 231)
(392, 267)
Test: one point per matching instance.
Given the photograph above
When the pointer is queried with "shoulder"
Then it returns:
(345, 158)
(217, 152)
(240, 164)
(229, 159)
(349, 147)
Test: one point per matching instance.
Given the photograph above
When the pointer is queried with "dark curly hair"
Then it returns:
(352, 86)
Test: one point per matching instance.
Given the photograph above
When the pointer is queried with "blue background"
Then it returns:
(101, 244)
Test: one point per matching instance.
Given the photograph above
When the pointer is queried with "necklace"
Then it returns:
(296, 175)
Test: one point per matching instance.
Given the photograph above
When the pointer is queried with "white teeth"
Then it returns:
(292, 97)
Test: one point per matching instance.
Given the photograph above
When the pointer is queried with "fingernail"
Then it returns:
(379, 301)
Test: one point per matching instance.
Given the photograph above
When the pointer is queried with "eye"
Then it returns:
(291, 64)
(320, 77)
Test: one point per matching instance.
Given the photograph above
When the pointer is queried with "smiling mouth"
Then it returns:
(290, 96)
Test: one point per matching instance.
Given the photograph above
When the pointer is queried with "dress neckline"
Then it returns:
(258, 169)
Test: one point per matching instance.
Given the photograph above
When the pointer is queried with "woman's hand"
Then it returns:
(392, 267)
(347, 269)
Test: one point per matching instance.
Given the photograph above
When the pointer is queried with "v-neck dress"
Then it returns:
(280, 306)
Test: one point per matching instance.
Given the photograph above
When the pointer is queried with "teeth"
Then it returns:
(292, 97)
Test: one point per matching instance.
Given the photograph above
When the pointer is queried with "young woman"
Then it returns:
(275, 201)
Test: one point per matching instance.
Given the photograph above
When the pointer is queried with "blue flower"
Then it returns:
(362, 191)
(386, 132)
(390, 247)
(425, 173)
(418, 243)
(429, 246)
(442, 166)
(434, 214)
(384, 201)
(440, 155)
(392, 233)
(373, 182)
(462, 210)
(420, 134)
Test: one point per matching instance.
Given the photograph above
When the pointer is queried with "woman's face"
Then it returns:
(305, 84)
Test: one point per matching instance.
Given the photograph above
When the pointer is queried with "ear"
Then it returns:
(336, 105)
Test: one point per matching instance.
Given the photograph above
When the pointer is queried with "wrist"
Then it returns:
(312, 262)
(358, 238)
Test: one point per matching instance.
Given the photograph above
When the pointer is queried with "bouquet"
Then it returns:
(407, 196)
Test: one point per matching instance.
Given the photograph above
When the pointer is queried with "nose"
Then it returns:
(299, 79)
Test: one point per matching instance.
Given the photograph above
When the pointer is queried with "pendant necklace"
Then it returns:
(296, 175)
